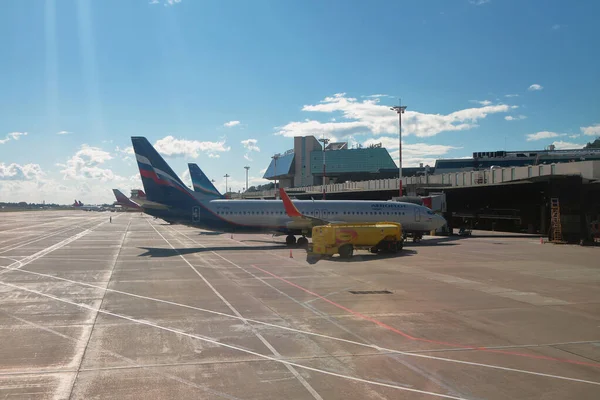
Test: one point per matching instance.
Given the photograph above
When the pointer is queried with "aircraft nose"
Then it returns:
(439, 221)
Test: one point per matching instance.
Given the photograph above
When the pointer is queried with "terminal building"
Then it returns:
(504, 159)
(303, 165)
(510, 191)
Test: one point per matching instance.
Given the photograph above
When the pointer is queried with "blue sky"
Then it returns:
(178, 71)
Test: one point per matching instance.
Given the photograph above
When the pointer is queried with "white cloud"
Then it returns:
(592, 130)
(535, 87)
(63, 132)
(413, 153)
(560, 145)
(85, 164)
(250, 144)
(543, 135)
(557, 26)
(235, 185)
(16, 172)
(31, 184)
(511, 95)
(481, 102)
(515, 118)
(126, 150)
(231, 124)
(574, 136)
(12, 136)
(186, 178)
(169, 146)
(479, 2)
(368, 116)
(376, 96)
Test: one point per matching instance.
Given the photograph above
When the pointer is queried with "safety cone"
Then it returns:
(541, 240)
(291, 256)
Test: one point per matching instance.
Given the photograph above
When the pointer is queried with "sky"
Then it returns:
(227, 84)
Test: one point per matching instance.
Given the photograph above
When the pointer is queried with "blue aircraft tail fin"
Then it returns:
(161, 184)
(202, 185)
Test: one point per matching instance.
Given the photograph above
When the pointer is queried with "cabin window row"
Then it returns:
(312, 213)
(374, 213)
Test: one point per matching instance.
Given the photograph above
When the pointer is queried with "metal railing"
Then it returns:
(586, 169)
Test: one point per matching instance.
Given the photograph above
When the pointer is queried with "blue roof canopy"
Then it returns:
(284, 167)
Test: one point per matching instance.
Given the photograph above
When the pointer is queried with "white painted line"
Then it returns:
(133, 364)
(375, 347)
(81, 353)
(37, 239)
(218, 343)
(299, 377)
(378, 348)
(47, 250)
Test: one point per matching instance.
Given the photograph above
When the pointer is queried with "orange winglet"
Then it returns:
(290, 208)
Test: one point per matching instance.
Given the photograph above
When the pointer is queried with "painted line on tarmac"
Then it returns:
(133, 364)
(430, 376)
(316, 311)
(410, 337)
(37, 239)
(47, 250)
(81, 354)
(218, 343)
(338, 339)
(295, 373)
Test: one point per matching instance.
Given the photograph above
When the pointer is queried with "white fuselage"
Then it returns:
(271, 213)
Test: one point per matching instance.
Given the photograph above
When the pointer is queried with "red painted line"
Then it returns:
(410, 337)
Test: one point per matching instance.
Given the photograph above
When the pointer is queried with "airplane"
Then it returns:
(80, 205)
(175, 202)
(201, 183)
(125, 202)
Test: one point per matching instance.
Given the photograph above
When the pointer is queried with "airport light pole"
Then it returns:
(400, 110)
(275, 157)
(226, 176)
(246, 168)
(324, 141)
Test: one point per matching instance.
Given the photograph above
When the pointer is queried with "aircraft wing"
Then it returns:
(299, 220)
(148, 204)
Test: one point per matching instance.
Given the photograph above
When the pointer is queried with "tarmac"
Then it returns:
(140, 309)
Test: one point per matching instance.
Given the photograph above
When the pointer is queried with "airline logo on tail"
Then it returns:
(162, 186)
(203, 185)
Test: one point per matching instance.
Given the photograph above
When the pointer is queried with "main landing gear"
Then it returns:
(302, 242)
(290, 240)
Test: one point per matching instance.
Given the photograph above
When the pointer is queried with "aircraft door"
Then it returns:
(323, 214)
(417, 214)
(196, 214)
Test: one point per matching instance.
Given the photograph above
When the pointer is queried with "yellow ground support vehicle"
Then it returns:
(343, 239)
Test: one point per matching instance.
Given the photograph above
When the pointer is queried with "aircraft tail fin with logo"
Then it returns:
(202, 185)
(161, 184)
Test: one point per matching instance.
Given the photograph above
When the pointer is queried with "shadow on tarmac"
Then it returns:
(160, 252)
(363, 257)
